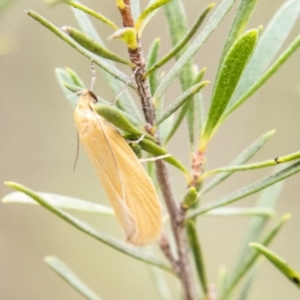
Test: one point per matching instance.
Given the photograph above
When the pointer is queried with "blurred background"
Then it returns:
(38, 148)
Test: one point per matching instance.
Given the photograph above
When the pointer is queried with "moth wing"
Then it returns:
(128, 186)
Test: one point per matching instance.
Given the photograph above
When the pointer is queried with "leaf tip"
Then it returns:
(211, 6)
(253, 245)
(286, 217)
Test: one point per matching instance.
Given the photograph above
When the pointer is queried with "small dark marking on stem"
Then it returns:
(277, 160)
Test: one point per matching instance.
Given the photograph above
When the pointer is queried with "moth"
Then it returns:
(125, 181)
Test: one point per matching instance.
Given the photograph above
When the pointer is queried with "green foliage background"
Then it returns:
(38, 146)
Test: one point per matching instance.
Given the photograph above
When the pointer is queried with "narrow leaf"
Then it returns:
(279, 263)
(75, 78)
(70, 277)
(197, 255)
(269, 44)
(244, 268)
(60, 201)
(135, 8)
(278, 63)
(230, 73)
(183, 42)
(151, 60)
(92, 46)
(248, 153)
(246, 289)
(186, 108)
(187, 95)
(156, 150)
(125, 102)
(199, 112)
(267, 200)
(259, 165)
(160, 283)
(165, 129)
(239, 24)
(91, 12)
(120, 120)
(222, 279)
(250, 189)
(101, 63)
(242, 211)
(211, 25)
(87, 229)
(64, 79)
(175, 11)
(147, 14)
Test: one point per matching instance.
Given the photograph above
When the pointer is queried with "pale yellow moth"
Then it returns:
(127, 185)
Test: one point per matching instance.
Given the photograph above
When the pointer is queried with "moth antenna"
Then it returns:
(93, 71)
(77, 153)
(125, 86)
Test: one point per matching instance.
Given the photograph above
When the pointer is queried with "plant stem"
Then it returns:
(177, 215)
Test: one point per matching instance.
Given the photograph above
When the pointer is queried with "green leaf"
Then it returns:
(125, 102)
(175, 11)
(230, 73)
(210, 26)
(135, 8)
(242, 211)
(87, 229)
(279, 263)
(267, 47)
(244, 268)
(91, 12)
(250, 189)
(189, 110)
(75, 78)
(279, 62)
(101, 63)
(165, 129)
(151, 60)
(259, 165)
(187, 95)
(160, 282)
(248, 153)
(94, 47)
(197, 255)
(120, 120)
(148, 14)
(199, 112)
(70, 277)
(60, 201)
(267, 200)
(222, 279)
(239, 24)
(183, 42)
(63, 78)
(156, 150)
(244, 295)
